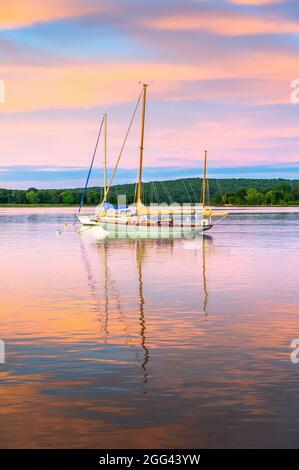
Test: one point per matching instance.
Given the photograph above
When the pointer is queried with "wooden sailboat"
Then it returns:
(143, 221)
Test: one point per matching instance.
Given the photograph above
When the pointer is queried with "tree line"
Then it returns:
(230, 191)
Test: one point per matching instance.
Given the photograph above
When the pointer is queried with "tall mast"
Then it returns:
(204, 181)
(139, 192)
(105, 156)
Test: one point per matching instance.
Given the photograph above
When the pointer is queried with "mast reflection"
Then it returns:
(206, 240)
(140, 253)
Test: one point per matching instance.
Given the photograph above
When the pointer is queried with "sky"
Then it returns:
(219, 75)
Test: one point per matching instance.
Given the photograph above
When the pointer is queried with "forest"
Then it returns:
(230, 191)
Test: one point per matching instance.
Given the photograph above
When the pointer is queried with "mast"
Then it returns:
(139, 191)
(105, 156)
(204, 181)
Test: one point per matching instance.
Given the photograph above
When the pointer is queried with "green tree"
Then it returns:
(3, 196)
(253, 197)
(32, 197)
(67, 198)
(270, 197)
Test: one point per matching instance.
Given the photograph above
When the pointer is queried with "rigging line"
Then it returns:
(152, 193)
(194, 193)
(167, 193)
(154, 197)
(186, 189)
(146, 195)
(123, 145)
(165, 190)
(91, 165)
(156, 192)
(217, 221)
(143, 194)
(221, 194)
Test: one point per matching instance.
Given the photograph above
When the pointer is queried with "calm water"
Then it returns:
(124, 343)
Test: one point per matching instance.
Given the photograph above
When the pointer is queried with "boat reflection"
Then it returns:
(149, 343)
(107, 298)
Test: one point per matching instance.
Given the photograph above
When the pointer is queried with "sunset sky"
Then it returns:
(219, 75)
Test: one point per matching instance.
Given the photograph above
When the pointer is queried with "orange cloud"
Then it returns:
(224, 23)
(86, 85)
(256, 2)
(90, 84)
(17, 13)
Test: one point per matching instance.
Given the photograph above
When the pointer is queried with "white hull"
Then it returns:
(86, 220)
(122, 230)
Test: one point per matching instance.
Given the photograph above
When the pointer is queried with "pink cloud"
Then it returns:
(90, 84)
(256, 2)
(232, 139)
(225, 23)
(213, 69)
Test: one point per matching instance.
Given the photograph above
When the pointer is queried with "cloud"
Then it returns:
(231, 90)
(176, 134)
(17, 13)
(221, 72)
(92, 84)
(228, 23)
(256, 2)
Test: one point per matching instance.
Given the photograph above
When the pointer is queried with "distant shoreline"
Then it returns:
(228, 192)
(93, 207)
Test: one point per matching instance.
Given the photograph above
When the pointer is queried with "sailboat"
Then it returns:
(143, 221)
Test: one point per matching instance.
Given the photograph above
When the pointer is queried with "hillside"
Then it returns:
(188, 190)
